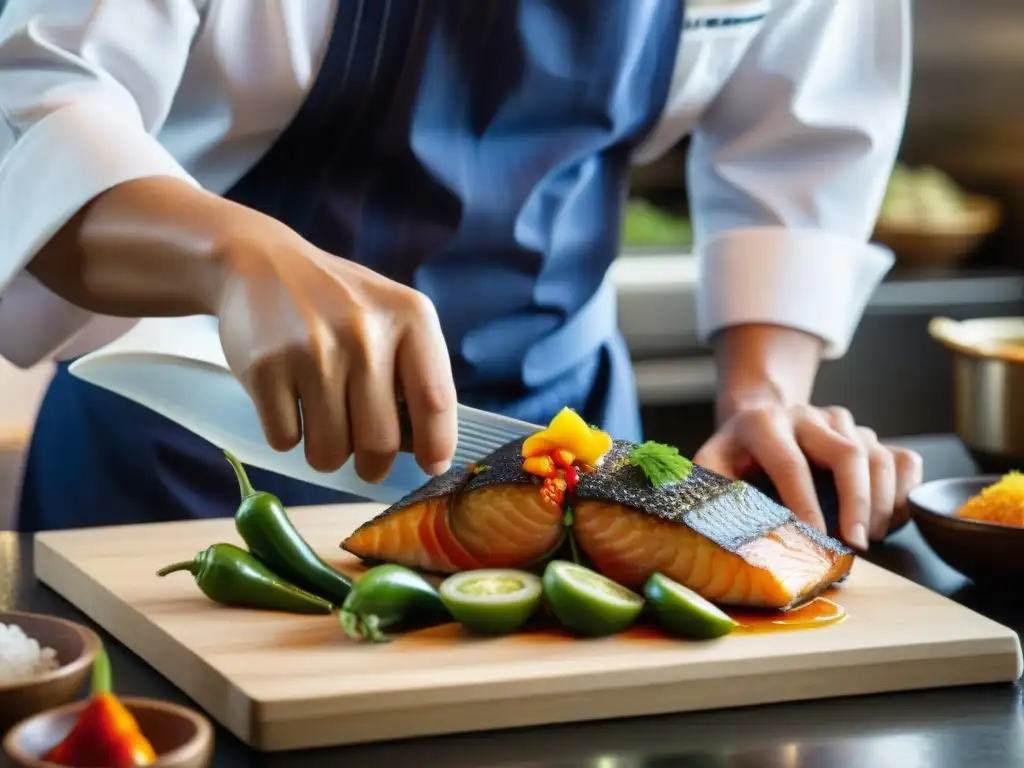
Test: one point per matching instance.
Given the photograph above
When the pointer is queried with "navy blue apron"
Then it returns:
(477, 150)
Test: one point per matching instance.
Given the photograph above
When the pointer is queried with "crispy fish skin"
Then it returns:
(722, 538)
(686, 502)
(778, 570)
(440, 525)
(503, 467)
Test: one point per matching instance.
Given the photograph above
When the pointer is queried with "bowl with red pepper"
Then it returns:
(106, 730)
(44, 662)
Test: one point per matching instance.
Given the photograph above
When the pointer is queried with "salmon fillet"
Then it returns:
(782, 568)
(519, 526)
(724, 539)
(416, 531)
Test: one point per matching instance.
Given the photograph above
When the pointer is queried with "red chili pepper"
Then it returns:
(572, 478)
(554, 490)
(105, 735)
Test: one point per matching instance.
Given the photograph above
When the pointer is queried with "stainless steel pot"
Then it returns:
(988, 369)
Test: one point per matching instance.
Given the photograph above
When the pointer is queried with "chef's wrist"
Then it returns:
(223, 251)
(761, 365)
(249, 247)
(143, 248)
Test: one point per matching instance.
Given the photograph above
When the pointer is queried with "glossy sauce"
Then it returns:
(814, 614)
(819, 612)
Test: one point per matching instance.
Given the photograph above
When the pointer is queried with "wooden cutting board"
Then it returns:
(281, 681)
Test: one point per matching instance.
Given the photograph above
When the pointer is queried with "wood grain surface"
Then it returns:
(281, 681)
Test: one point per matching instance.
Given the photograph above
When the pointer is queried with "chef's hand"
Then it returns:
(321, 344)
(766, 374)
(872, 479)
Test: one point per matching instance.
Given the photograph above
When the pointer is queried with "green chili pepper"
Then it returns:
(389, 595)
(231, 576)
(263, 523)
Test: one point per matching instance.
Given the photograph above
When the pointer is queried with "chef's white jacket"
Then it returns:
(796, 119)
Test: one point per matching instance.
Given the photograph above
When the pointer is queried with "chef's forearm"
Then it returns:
(764, 365)
(148, 247)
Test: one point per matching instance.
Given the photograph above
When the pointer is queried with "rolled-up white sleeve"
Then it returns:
(84, 88)
(788, 168)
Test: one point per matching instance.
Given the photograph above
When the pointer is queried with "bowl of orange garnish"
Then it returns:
(974, 524)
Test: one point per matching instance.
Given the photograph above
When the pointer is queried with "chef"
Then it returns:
(425, 196)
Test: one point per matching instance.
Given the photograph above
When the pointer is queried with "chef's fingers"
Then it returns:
(270, 384)
(373, 411)
(883, 483)
(321, 373)
(769, 437)
(719, 454)
(830, 449)
(848, 461)
(909, 473)
(425, 378)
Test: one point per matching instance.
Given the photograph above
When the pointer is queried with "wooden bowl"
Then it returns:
(76, 648)
(983, 552)
(941, 246)
(182, 738)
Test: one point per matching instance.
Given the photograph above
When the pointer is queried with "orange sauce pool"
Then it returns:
(815, 614)
(819, 612)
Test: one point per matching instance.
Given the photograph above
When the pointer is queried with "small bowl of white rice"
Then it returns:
(44, 662)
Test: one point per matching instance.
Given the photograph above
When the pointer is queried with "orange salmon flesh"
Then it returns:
(777, 570)
(513, 526)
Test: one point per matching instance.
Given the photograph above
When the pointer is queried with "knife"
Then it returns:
(480, 434)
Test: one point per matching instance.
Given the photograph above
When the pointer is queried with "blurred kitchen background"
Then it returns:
(955, 216)
(966, 120)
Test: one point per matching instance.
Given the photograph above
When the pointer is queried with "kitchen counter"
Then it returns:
(949, 728)
(657, 296)
(657, 314)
